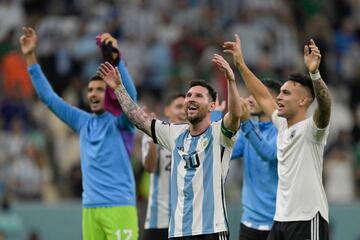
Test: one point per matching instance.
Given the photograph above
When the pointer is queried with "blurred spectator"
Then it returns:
(339, 173)
(11, 16)
(16, 82)
(29, 175)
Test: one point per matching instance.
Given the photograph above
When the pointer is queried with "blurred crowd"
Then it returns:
(166, 44)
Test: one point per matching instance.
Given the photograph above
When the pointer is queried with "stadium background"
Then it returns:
(166, 44)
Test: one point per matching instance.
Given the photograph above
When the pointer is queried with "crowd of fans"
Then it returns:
(166, 44)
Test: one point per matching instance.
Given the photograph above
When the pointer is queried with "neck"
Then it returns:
(199, 128)
(297, 118)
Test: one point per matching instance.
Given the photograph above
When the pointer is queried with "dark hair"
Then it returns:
(95, 78)
(272, 85)
(304, 80)
(204, 84)
(172, 97)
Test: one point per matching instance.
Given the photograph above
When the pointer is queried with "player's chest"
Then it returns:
(193, 152)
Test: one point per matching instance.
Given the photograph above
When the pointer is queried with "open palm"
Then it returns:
(28, 40)
(110, 75)
(224, 66)
(312, 56)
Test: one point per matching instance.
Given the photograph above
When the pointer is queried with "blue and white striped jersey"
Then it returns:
(199, 167)
(158, 209)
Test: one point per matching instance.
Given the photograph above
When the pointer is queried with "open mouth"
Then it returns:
(280, 106)
(192, 108)
(94, 101)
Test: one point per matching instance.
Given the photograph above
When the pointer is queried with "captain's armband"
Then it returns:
(227, 133)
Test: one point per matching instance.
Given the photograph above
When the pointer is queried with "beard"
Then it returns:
(197, 118)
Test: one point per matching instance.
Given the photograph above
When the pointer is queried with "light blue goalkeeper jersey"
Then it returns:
(257, 147)
(108, 178)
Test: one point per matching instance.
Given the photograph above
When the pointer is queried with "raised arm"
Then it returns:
(136, 115)
(232, 117)
(312, 59)
(254, 85)
(72, 116)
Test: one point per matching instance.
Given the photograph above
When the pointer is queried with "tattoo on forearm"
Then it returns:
(136, 115)
(322, 113)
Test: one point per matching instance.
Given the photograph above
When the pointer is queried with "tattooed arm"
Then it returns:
(312, 59)
(135, 114)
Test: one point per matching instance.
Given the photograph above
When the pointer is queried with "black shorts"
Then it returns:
(214, 236)
(314, 229)
(155, 233)
(247, 233)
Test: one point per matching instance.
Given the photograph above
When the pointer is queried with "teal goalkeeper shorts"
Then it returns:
(110, 223)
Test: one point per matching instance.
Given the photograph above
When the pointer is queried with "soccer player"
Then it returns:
(200, 151)
(109, 210)
(256, 145)
(157, 161)
(301, 204)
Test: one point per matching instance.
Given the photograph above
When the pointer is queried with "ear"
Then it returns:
(304, 101)
(212, 106)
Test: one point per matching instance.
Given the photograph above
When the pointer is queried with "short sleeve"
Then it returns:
(318, 135)
(227, 137)
(165, 133)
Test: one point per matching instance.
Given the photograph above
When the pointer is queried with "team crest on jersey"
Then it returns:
(204, 143)
(292, 134)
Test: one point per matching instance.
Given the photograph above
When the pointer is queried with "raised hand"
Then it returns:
(224, 66)
(235, 49)
(312, 57)
(28, 41)
(110, 75)
(107, 38)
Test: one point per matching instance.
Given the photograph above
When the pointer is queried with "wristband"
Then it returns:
(315, 76)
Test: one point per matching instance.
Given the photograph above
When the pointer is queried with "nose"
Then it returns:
(90, 94)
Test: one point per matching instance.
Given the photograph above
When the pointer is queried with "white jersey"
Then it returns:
(199, 167)
(300, 165)
(158, 209)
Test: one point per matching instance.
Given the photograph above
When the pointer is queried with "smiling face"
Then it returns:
(96, 96)
(198, 104)
(292, 100)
